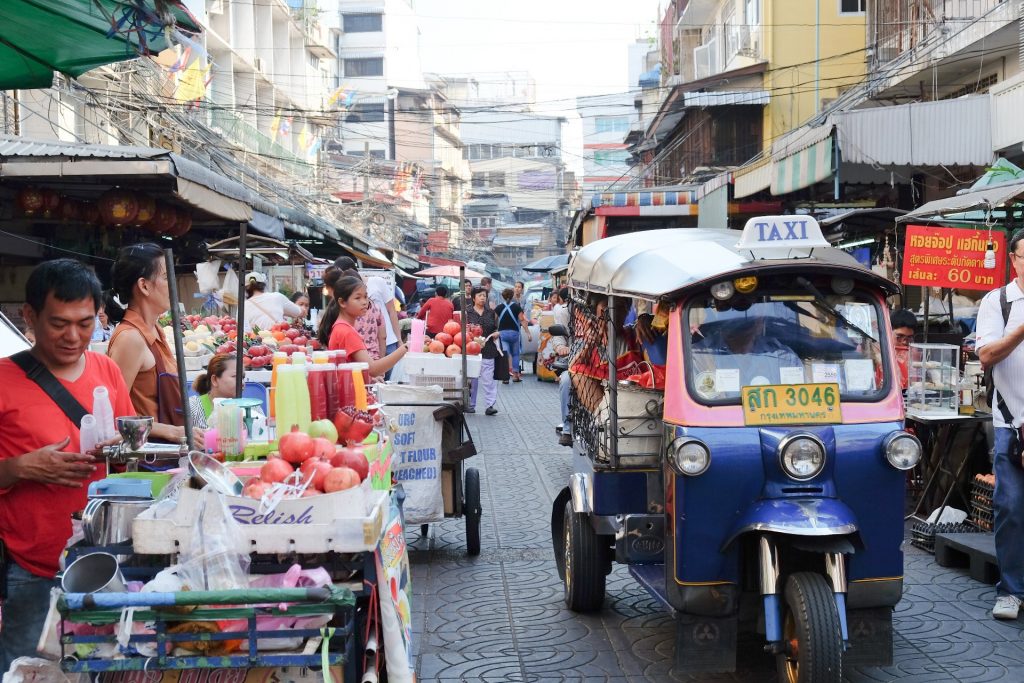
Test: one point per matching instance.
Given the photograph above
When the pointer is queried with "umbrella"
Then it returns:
(447, 271)
(548, 263)
(38, 37)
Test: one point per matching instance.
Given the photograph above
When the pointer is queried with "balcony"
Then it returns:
(238, 130)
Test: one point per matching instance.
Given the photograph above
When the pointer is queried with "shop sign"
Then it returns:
(952, 257)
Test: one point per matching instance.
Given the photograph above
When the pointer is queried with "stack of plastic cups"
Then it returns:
(417, 335)
(230, 440)
(87, 434)
(104, 414)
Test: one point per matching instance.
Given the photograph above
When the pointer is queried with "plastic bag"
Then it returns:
(229, 290)
(32, 670)
(216, 558)
(208, 275)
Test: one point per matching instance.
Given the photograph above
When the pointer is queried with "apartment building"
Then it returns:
(606, 121)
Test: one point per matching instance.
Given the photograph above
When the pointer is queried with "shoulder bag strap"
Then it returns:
(508, 309)
(38, 373)
(1004, 307)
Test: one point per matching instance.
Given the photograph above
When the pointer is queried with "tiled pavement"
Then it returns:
(500, 616)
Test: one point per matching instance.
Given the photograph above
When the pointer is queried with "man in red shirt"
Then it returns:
(43, 477)
(437, 310)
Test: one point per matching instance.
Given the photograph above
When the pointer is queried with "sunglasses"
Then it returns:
(906, 338)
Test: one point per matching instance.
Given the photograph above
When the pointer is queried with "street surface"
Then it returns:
(500, 616)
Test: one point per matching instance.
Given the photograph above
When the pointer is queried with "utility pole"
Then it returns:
(366, 187)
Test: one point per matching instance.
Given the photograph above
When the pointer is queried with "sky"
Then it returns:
(570, 47)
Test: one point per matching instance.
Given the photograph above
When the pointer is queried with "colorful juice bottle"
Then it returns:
(317, 391)
(359, 388)
(330, 373)
(346, 386)
(280, 357)
(292, 399)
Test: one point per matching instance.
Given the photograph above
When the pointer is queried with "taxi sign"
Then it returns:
(791, 404)
(781, 237)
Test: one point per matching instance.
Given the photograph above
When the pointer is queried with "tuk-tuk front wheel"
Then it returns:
(584, 560)
(811, 631)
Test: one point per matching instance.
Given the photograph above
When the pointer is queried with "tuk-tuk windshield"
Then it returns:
(784, 338)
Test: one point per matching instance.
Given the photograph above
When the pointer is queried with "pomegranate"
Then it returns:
(473, 348)
(323, 447)
(275, 470)
(452, 351)
(354, 459)
(353, 426)
(340, 478)
(458, 340)
(310, 492)
(256, 488)
(444, 338)
(296, 447)
(452, 328)
(436, 347)
(314, 470)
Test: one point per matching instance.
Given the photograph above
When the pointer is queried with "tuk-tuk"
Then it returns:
(760, 484)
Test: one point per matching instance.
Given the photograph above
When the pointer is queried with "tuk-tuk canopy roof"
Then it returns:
(652, 264)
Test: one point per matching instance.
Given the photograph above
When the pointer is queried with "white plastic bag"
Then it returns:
(32, 670)
(229, 290)
(208, 275)
(216, 558)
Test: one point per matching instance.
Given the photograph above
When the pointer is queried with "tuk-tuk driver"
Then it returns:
(737, 341)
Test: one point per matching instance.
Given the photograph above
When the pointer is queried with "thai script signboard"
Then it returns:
(952, 257)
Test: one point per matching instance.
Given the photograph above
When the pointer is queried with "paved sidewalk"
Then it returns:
(500, 616)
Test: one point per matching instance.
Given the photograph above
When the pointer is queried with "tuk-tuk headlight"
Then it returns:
(802, 456)
(902, 450)
(689, 457)
(722, 290)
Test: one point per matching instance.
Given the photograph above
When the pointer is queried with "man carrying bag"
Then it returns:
(1000, 333)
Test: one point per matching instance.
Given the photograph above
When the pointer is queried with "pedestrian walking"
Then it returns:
(481, 314)
(43, 475)
(1000, 331)
(510, 319)
(493, 298)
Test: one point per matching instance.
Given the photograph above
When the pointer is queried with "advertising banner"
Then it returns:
(952, 257)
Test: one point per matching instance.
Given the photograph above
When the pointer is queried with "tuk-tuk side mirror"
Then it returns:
(558, 331)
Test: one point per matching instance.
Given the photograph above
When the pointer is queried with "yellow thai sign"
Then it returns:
(791, 404)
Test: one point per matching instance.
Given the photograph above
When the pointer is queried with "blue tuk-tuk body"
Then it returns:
(764, 488)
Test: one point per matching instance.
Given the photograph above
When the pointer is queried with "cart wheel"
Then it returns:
(424, 529)
(472, 510)
(584, 563)
(811, 632)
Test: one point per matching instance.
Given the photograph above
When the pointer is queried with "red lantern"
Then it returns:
(163, 219)
(51, 204)
(89, 213)
(70, 210)
(30, 201)
(183, 223)
(147, 209)
(118, 207)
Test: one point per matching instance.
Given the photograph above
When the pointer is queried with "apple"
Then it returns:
(324, 429)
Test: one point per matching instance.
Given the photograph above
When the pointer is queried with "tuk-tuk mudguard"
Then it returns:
(744, 488)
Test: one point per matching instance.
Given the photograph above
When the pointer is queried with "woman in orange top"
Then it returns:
(139, 296)
(353, 303)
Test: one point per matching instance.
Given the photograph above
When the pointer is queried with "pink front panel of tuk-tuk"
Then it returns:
(682, 409)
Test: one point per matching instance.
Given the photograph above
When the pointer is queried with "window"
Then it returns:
(366, 113)
(611, 156)
(496, 180)
(479, 180)
(612, 124)
(852, 6)
(362, 23)
(752, 14)
(370, 66)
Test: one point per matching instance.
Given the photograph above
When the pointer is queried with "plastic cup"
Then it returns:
(417, 333)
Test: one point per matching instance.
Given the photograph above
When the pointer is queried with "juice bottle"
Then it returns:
(330, 375)
(317, 391)
(346, 386)
(280, 357)
(359, 387)
(292, 399)
(320, 357)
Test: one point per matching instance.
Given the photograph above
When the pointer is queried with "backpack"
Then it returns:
(987, 379)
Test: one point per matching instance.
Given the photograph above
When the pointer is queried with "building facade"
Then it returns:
(606, 121)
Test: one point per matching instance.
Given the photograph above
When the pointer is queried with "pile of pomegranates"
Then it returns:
(322, 466)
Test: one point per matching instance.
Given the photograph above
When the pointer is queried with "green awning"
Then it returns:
(38, 37)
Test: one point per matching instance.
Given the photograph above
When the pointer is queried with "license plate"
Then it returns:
(791, 404)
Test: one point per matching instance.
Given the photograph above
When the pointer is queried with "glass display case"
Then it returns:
(933, 379)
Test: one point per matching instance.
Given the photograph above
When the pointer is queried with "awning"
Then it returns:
(716, 183)
(38, 37)
(680, 201)
(989, 198)
(271, 226)
(946, 132)
(138, 167)
(368, 260)
(752, 179)
(801, 159)
(720, 98)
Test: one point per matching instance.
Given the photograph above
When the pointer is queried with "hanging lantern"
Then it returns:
(70, 210)
(183, 223)
(118, 207)
(164, 218)
(89, 213)
(51, 204)
(147, 209)
(30, 201)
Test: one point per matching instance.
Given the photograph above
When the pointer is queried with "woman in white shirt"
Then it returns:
(264, 309)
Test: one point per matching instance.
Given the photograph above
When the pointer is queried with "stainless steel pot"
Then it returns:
(93, 573)
(106, 521)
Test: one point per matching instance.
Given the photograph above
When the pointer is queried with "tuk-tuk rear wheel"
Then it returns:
(584, 581)
(811, 632)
